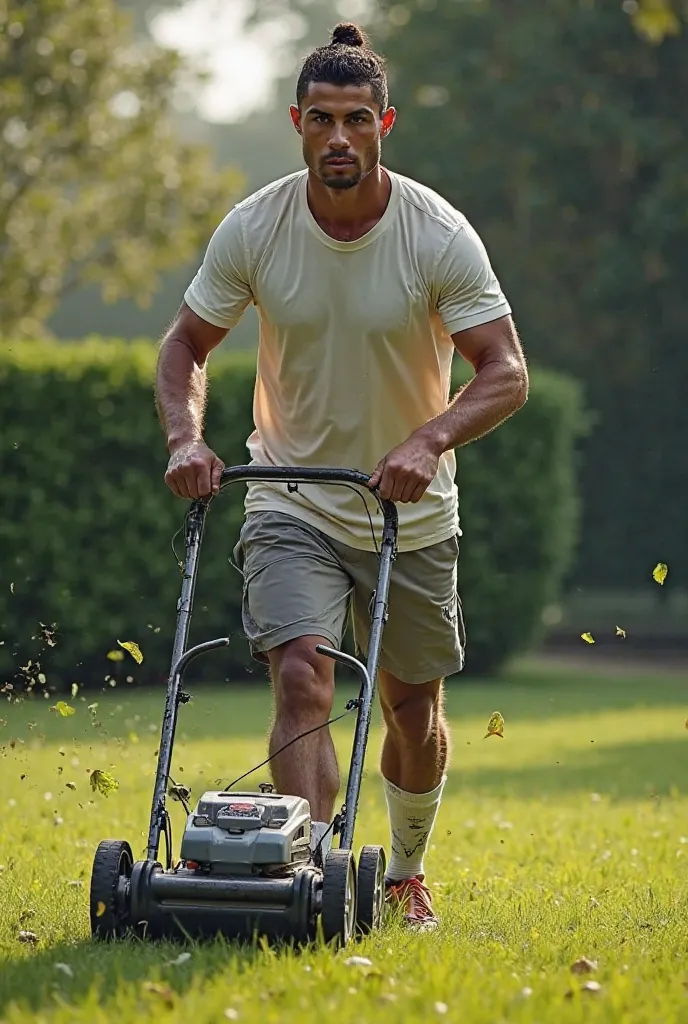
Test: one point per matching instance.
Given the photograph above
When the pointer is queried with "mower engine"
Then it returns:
(247, 834)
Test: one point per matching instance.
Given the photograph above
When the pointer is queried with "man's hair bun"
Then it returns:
(347, 34)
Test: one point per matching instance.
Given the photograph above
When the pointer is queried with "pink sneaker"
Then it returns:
(415, 899)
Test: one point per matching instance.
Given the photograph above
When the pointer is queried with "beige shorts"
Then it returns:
(300, 582)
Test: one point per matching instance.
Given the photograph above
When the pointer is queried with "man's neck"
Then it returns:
(346, 214)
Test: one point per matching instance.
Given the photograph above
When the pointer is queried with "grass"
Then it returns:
(568, 838)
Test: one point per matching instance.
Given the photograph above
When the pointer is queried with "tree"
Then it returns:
(560, 131)
(94, 184)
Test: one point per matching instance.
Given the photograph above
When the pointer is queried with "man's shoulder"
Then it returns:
(423, 202)
(275, 193)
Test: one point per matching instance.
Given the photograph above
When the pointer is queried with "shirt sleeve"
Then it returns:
(220, 291)
(467, 289)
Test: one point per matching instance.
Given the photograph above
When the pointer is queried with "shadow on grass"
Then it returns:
(629, 771)
(35, 982)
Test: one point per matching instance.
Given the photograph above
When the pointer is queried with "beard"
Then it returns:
(339, 182)
(353, 177)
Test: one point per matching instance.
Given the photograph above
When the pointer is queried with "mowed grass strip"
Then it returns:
(566, 839)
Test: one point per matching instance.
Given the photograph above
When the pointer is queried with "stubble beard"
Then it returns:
(337, 183)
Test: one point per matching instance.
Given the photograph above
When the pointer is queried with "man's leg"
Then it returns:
(303, 684)
(296, 595)
(422, 643)
(414, 761)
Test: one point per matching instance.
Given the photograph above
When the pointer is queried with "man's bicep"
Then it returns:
(494, 341)
(198, 334)
(221, 290)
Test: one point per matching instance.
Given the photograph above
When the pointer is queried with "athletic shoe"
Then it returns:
(415, 900)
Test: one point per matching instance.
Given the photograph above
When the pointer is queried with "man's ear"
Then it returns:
(295, 115)
(387, 123)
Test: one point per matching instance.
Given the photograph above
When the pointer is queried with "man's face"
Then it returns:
(341, 131)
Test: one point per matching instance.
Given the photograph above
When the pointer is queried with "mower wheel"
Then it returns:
(112, 866)
(339, 897)
(371, 888)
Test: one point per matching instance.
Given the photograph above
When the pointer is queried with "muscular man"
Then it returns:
(365, 283)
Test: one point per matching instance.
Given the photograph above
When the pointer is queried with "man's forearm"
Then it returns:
(497, 391)
(180, 393)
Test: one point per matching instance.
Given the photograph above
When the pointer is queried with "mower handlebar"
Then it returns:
(294, 474)
(307, 475)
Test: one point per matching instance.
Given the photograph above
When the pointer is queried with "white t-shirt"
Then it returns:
(355, 347)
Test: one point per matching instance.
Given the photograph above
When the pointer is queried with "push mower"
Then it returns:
(246, 868)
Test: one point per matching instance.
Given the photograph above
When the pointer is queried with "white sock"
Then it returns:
(318, 830)
(411, 818)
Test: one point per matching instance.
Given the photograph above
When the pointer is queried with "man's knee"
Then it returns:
(415, 716)
(303, 679)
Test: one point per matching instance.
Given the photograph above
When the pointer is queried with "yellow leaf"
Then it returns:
(63, 709)
(655, 19)
(133, 649)
(103, 782)
(100, 910)
(588, 637)
(75, 689)
(659, 573)
(620, 631)
(115, 656)
(495, 727)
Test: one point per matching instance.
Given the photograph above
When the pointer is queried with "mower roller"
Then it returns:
(246, 868)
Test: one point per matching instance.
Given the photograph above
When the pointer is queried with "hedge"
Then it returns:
(87, 520)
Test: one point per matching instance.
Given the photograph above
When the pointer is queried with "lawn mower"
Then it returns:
(246, 868)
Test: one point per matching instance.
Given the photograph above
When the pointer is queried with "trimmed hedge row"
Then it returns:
(87, 520)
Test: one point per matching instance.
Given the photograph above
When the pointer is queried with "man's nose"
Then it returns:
(338, 139)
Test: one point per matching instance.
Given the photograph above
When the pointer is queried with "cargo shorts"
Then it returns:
(298, 581)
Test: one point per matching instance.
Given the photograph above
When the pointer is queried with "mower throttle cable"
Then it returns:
(351, 705)
(294, 487)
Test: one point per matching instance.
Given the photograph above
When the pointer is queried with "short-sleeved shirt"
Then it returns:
(355, 347)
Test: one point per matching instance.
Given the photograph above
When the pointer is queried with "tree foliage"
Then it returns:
(94, 184)
(558, 127)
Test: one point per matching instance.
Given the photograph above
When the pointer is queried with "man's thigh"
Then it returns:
(294, 584)
(424, 637)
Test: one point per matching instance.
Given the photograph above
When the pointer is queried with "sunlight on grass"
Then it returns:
(566, 839)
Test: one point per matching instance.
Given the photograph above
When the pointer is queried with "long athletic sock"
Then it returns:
(411, 819)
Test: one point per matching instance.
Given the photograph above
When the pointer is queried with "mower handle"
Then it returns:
(294, 474)
(306, 475)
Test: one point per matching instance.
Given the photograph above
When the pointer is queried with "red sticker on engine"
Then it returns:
(243, 809)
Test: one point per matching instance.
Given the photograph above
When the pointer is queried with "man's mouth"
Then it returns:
(339, 161)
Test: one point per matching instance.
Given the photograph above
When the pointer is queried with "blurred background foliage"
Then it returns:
(95, 185)
(557, 127)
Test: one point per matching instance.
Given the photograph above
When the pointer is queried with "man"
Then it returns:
(365, 283)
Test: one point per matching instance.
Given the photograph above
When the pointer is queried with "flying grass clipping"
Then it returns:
(495, 727)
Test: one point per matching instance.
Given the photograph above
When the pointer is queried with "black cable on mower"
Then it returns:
(354, 706)
(180, 563)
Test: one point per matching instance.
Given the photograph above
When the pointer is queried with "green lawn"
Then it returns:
(566, 839)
